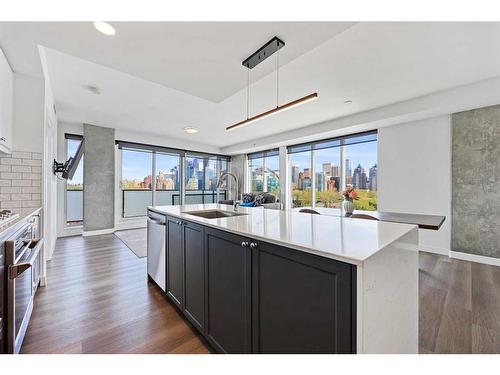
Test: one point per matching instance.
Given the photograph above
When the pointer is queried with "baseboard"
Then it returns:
(97, 232)
(132, 223)
(69, 232)
(475, 258)
(434, 250)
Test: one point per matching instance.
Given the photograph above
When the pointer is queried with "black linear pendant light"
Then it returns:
(274, 45)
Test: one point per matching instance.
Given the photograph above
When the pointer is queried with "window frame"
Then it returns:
(311, 148)
(67, 138)
(183, 155)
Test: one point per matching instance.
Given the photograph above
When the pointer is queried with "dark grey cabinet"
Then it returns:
(175, 261)
(302, 303)
(249, 296)
(194, 273)
(228, 287)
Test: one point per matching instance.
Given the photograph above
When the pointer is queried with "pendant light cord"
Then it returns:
(248, 92)
(277, 78)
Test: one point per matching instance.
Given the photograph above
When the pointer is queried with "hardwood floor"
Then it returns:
(99, 301)
(459, 306)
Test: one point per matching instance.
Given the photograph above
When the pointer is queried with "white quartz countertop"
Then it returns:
(349, 240)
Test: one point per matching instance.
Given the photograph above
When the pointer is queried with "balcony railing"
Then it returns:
(136, 201)
(74, 207)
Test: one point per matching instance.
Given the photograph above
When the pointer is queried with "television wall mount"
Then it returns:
(58, 167)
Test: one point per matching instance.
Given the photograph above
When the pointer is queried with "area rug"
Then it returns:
(136, 240)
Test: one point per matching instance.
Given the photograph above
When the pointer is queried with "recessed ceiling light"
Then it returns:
(348, 102)
(191, 130)
(104, 27)
(93, 89)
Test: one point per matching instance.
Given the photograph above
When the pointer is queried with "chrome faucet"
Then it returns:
(219, 184)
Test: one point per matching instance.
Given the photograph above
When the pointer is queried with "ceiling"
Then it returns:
(199, 58)
(371, 63)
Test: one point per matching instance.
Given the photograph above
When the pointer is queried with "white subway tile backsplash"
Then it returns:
(20, 197)
(10, 175)
(30, 162)
(31, 176)
(21, 154)
(33, 204)
(29, 189)
(11, 189)
(20, 181)
(21, 168)
(10, 161)
(10, 204)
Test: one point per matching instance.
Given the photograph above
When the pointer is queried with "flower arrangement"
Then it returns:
(349, 194)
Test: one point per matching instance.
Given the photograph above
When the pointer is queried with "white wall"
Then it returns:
(414, 175)
(28, 113)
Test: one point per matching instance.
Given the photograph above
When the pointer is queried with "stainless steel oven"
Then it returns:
(23, 257)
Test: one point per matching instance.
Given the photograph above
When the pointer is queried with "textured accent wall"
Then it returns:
(98, 178)
(476, 181)
(238, 168)
(20, 181)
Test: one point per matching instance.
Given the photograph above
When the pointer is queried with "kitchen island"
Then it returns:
(270, 281)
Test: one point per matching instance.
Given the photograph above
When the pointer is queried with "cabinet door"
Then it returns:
(194, 274)
(301, 303)
(228, 288)
(175, 261)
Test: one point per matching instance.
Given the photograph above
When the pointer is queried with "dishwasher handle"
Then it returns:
(157, 222)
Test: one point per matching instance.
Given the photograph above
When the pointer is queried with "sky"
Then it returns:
(72, 147)
(361, 153)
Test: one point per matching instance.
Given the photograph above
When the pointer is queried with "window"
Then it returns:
(167, 178)
(361, 172)
(74, 187)
(263, 169)
(137, 182)
(300, 178)
(327, 178)
(321, 170)
(201, 179)
(151, 175)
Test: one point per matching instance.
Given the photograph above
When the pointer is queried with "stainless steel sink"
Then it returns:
(213, 214)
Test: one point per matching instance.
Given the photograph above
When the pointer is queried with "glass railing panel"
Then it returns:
(136, 202)
(74, 207)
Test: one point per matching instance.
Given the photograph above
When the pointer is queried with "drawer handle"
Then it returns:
(254, 245)
(245, 244)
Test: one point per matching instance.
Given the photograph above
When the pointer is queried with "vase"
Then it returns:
(348, 207)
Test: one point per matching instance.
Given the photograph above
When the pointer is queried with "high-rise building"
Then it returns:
(321, 178)
(335, 171)
(359, 177)
(327, 168)
(307, 173)
(348, 167)
(373, 178)
(295, 174)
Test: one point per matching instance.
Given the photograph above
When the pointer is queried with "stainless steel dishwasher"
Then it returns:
(157, 263)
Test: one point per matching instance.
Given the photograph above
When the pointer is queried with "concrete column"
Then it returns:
(98, 180)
